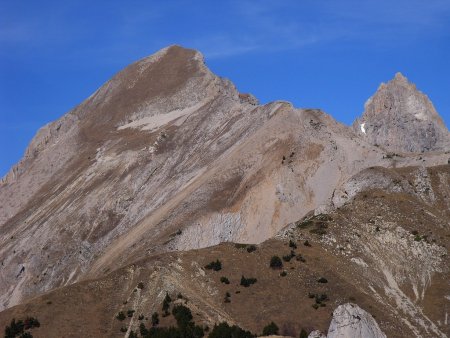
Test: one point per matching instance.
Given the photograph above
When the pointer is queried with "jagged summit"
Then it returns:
(401, 118)
(399, 77)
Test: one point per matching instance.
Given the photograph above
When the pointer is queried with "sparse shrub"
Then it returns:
(321, 298)
(306, 243)
(121, 316)
(292, 244)
(123, 329)
(276, 263)
(270, 329)
(301, 258)
(132, 334)
(185, 326)
(322, 280)
(140, 285)
(304, 224)
(227, 297)
(320, 229)
(315, 306)
(240, 246)
(130, 313)
(246, 282)
(417, 238)
(251, 248)
(179, 296)
(141, 317)
(224, 280)
(216, 266)
(303, 334)
(283, 274)
(287, 258)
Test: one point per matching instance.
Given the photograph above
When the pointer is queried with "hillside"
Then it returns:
(384, 250)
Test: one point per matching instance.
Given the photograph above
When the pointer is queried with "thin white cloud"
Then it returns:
(262, 26)
(270, 26)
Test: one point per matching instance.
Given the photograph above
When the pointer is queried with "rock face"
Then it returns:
(402, 119)
(350, 321)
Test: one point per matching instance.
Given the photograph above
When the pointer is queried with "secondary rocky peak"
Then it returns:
(401, 118)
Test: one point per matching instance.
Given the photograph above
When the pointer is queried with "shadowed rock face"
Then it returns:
(402, 119)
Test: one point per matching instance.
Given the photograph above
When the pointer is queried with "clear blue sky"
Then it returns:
(327, 54)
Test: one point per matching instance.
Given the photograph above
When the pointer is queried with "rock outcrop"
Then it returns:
(350, 321)
(402, 119)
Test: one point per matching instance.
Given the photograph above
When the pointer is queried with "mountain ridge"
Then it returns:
(166, 156)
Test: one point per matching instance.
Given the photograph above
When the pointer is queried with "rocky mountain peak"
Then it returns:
(400, 78)
(401, 118)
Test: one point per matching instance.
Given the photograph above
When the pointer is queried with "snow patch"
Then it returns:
(363, 130)
(156, 121)
(421, 116)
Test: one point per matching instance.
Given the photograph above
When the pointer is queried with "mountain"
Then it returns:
(166, 161)
(402, 119)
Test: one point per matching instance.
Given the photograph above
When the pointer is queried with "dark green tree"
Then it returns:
(270, 329)
(121, 316)
(155, 319)
(303, 334)
(223, 330)
(276, 263)
(216, 266)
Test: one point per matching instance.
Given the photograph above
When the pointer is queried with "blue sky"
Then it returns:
(315, 53)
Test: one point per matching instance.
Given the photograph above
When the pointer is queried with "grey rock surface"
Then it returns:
(402, 119)
(350, 321)
(316, 334)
